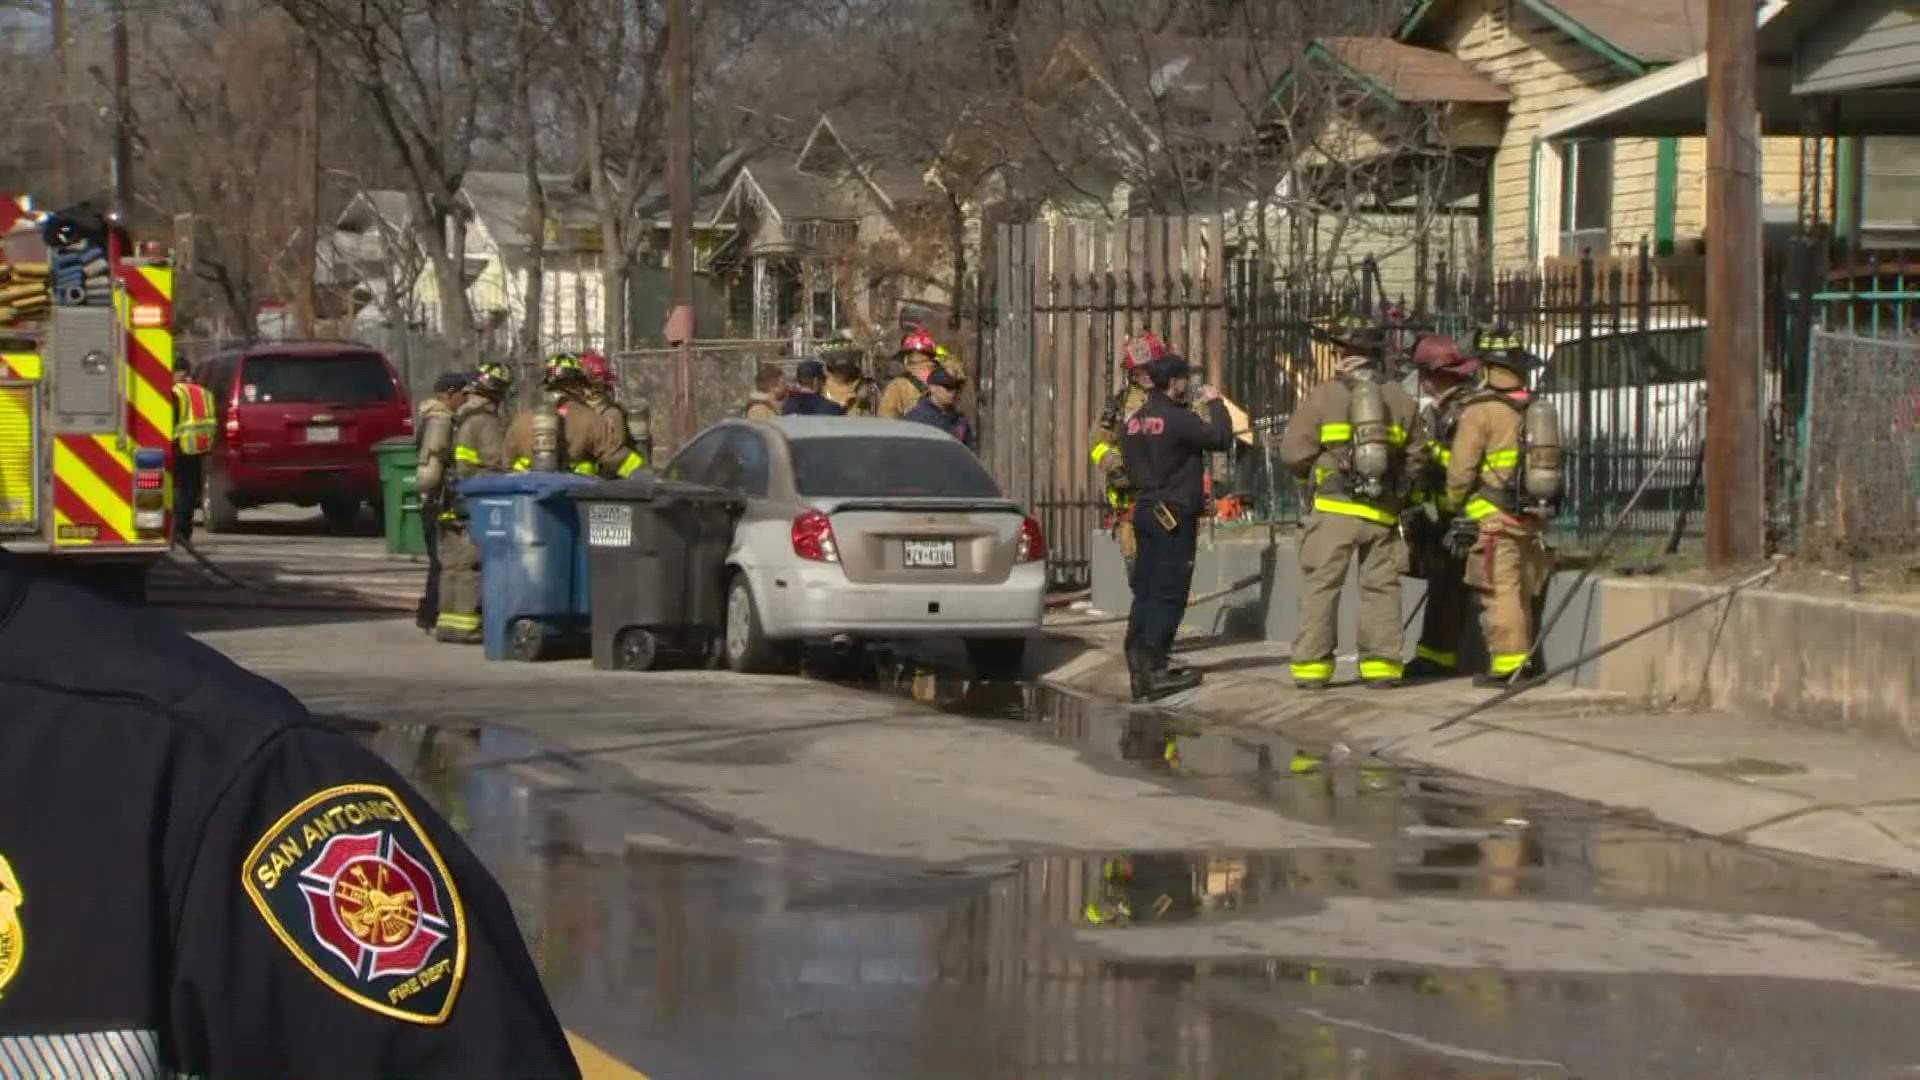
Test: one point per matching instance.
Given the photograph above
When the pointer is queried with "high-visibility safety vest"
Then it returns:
(193, 425)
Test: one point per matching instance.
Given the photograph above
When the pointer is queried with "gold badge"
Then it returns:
(13, 940)
(351, 885)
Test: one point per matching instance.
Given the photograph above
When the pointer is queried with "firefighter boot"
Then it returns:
(1425, 668)
(1160, 682)
(1139, 667)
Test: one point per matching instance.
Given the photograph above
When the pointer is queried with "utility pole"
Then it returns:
(680, 323)
(308, 252)
(1735, 491)
(122, 120)
(63, 110)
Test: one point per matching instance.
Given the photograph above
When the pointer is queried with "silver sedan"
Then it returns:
(868, 529)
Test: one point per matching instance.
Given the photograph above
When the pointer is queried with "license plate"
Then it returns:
(929, 554)
(323, 433)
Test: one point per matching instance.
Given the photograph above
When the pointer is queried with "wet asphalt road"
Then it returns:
(904, 874)
(1456, 931)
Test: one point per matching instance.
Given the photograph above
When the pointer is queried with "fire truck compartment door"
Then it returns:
(19, 459)
(80, 363)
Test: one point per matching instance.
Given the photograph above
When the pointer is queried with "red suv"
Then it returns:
(297, 424)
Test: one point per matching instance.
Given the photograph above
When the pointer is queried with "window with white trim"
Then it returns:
(1586, 196)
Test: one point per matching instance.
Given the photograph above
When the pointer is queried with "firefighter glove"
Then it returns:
(1461, 536)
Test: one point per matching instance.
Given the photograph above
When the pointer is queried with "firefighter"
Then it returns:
(433, 450)
(193, 431)
(919, 356)
(848, 385)
(584, 439)
(479, 441)
(809, 392)
(1498, 529)
(1348, 441)
(207, 918)
(941, 407)
(1165, 447)
(769, 393)
(600, 396)
(1135, 368)
(1446, 379)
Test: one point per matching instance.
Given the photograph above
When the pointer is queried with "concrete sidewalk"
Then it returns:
(1788, 788)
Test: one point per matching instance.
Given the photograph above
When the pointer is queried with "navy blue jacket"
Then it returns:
(951, 421)
(1164, 446)
(198, 877)
(809, 403)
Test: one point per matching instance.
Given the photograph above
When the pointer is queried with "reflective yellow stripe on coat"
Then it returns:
(1327, 504)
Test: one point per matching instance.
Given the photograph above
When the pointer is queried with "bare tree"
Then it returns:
(617, 51)
(214, 142)
(527, 135)
(418, 64)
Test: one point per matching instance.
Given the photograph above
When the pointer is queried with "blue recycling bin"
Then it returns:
(533, 570)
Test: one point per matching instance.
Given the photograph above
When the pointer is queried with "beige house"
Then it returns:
(1839, 82)
(1542, 198)
(829, 241)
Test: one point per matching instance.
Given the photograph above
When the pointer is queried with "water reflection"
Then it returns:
(782, 960)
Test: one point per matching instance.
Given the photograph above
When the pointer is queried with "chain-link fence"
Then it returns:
(1862, 449)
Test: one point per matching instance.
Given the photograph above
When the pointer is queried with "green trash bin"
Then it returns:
(401, 502)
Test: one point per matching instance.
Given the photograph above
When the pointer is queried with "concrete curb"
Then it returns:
(1498, 747)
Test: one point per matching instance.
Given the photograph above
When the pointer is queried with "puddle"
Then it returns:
(694, 948)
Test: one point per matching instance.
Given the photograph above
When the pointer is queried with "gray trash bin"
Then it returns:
(657, 568)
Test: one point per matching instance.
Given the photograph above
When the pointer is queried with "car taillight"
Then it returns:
(406, 424)
(1033, 542)
(813, 538)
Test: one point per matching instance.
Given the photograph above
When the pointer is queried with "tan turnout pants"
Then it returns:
(1329, 543)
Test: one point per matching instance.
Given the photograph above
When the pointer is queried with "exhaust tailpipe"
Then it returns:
(841, 644)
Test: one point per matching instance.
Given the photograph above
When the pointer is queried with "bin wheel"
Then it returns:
(636, 650)
(526, 640)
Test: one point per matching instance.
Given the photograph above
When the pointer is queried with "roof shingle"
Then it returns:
(1414, 75)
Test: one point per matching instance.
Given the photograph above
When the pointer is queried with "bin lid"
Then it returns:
(394, 445)
(538, 484)
(647, 487)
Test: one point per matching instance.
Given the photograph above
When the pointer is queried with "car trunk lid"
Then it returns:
(925, 541)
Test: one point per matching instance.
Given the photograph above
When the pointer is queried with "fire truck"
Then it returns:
(86, 409)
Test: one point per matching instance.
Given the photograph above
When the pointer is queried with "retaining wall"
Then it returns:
(1832, 663)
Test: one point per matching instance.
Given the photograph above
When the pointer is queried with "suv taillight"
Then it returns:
(1033, 543)
(813, 538)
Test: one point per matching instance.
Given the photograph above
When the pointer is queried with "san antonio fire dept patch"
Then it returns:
(349, 882)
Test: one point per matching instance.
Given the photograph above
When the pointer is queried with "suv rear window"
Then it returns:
(339, 379)
(838, 468)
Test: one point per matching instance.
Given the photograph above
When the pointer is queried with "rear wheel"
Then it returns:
(747, 647)
(217, 512)
(997, 659)
(341, 511)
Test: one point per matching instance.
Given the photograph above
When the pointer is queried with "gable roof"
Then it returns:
(1409, 74)
(1632, 34)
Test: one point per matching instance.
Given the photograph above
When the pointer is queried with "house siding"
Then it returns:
(1867, 45)
(1636, 188)
(1545, 71)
